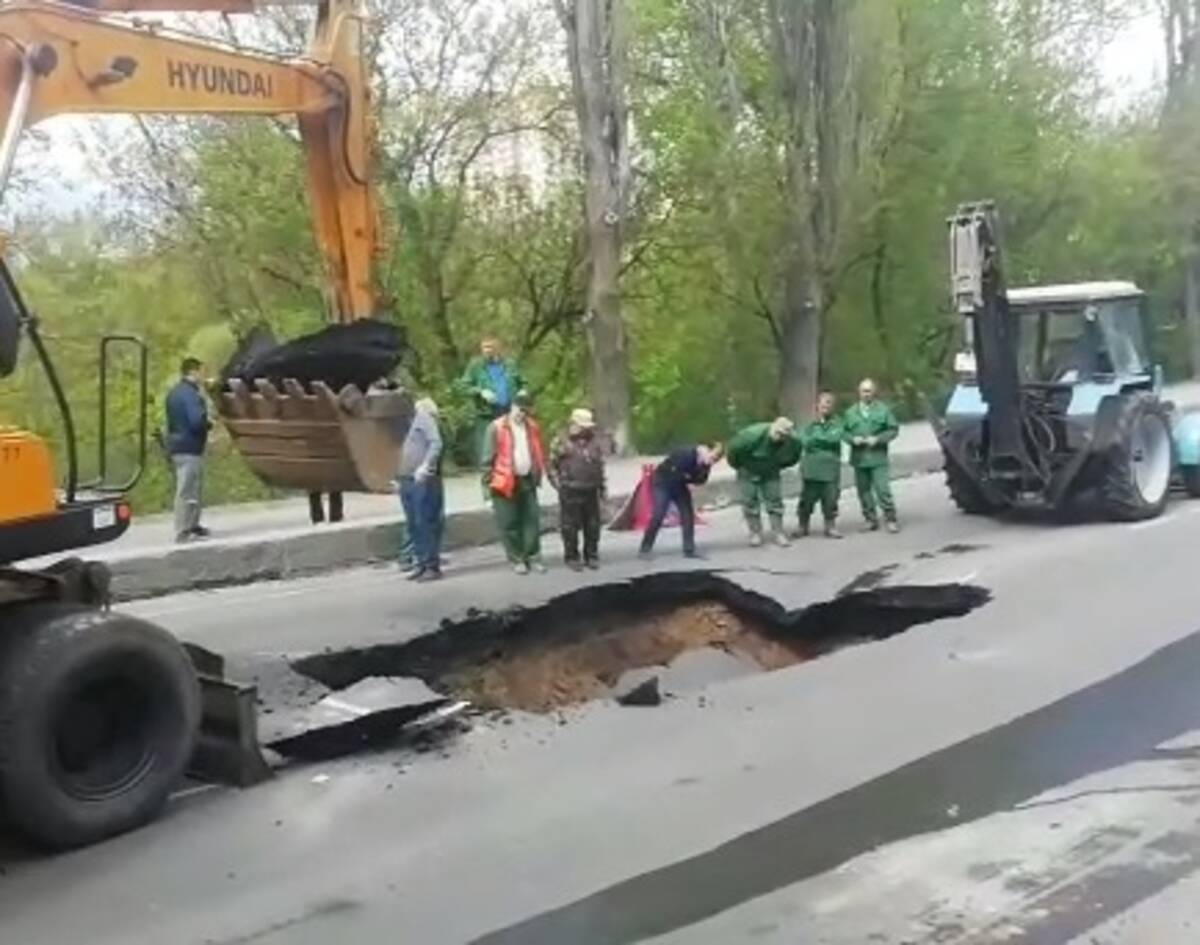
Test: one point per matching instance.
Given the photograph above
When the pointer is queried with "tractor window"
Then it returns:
(1056, 346)
(1121, 327)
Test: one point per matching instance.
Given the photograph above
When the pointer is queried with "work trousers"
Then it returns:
(817, 492)
(579, 511)
(666, 495)
(519, 522)
(316, 507)
(423, 501)
(189, 486)
(874, 484)
(757, 492)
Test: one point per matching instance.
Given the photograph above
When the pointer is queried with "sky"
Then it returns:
(64, 182)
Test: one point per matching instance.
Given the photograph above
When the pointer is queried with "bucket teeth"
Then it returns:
(313, 439)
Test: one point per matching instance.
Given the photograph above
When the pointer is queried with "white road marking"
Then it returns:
(341, 706)
(965, 579)
(192, 791)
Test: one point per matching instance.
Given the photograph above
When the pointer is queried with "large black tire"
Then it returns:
(966, 494)
(99, 714)
(1136, 471)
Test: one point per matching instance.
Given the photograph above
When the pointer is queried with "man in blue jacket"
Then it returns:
(187, 435)
(673, 478)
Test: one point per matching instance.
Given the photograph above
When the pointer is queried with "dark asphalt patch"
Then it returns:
(1104, 726)
(868, 580)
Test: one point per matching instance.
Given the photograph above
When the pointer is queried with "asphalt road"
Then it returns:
(1029, 772)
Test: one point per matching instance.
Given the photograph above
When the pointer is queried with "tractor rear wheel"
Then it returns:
(99, 714)
(965, 492)
(1137, 470)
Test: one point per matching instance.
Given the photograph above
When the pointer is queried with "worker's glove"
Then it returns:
(487, 396)
(421, 474)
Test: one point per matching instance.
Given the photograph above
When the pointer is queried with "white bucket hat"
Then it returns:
(582, 417)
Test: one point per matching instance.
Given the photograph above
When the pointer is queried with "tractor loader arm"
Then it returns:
(60, 59)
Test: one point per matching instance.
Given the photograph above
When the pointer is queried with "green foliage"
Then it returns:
(958, 100)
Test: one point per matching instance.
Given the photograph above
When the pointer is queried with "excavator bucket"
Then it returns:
(313, 439)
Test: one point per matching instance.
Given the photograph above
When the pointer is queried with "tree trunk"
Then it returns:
(813, 67)
(800, 349)
(1178, 125)
(1191, 296)
(596, 52)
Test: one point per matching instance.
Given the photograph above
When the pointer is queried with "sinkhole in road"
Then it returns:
(666, 632)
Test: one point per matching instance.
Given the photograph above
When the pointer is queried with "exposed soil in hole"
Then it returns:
(590, 658)
(697, 626)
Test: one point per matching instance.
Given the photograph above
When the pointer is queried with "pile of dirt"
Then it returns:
(552, 672)
(359, 353)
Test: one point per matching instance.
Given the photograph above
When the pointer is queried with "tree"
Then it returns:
(1180, 127)
(597, 56)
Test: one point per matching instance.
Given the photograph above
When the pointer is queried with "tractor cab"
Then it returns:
(1075, 334)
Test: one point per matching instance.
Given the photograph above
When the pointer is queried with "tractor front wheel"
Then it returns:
(1138, 463)
(966, 494)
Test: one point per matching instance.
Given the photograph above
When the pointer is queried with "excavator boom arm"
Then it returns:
(59, 59)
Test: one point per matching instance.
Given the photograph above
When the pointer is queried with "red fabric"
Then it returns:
(504, 477)
(643, 507)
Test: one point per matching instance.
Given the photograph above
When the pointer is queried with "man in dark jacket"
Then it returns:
(187, 436)
(576, 470)
(673, 478)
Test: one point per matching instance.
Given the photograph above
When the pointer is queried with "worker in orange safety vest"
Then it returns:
(514, 464)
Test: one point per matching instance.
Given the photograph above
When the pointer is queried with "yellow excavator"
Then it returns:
(102, 714)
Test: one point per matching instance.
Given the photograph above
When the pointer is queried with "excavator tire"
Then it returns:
(99, 714)
(1137, 466)
(966, 494)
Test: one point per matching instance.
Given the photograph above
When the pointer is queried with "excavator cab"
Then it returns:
(37, 517)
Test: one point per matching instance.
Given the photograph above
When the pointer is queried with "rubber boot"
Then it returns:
(756, 538)
(801, 529)
(831, 530)
(778, 535)
(892, 526)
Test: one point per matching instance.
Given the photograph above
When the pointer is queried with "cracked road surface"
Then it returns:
(1029, 772)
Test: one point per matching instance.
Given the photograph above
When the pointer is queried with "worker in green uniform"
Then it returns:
(821, 468)
(760, 453)
(493, 382)
(869, 426)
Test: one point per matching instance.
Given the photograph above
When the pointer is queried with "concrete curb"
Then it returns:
(290, 554)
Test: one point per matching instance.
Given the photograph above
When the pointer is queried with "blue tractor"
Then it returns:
(1057, 401)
